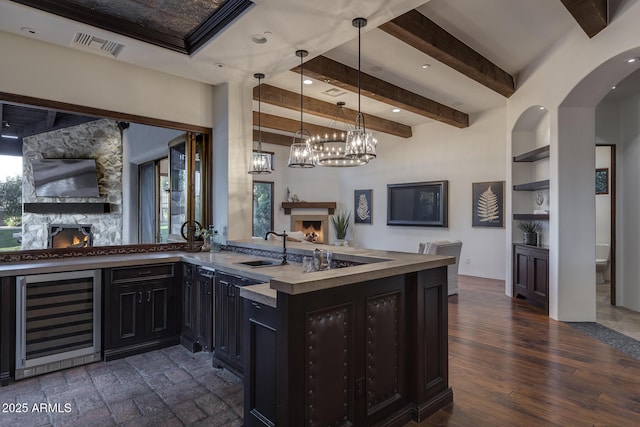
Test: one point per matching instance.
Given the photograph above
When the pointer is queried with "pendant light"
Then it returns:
(301, 154)
(260, 162)
(360, 143)
(330, 150)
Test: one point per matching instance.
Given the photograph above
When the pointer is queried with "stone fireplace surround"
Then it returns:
(100, 140)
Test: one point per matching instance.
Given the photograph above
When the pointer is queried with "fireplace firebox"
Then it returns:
(70, 236)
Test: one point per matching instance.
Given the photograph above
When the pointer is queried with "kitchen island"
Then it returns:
(364, 344)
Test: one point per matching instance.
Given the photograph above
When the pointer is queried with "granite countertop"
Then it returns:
(284, 278)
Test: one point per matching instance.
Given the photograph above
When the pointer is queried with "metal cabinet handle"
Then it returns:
(144, 273)
(139, 297)
(148, 296)
(256, 305)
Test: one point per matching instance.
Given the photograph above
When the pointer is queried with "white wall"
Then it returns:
(628, 218)
(34, 68)
(436, 152)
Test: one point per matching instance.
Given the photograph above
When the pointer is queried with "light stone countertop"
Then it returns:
(284, 278)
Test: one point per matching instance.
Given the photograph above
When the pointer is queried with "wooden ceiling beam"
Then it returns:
(271, 121)
(325, 69)
(273, 138)
(415, 29)
(591, 15)
(291, 100)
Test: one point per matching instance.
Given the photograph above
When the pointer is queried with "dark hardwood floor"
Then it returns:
(511, 365)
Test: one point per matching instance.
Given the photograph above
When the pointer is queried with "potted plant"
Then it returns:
(341, 221)
(530, 232)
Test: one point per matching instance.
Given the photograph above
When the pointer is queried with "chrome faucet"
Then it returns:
(284, 244)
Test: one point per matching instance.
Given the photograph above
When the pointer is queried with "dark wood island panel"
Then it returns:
(369, 353)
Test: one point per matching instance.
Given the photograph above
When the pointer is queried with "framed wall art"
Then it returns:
(488, 204)
(363, 206)
(602, 181)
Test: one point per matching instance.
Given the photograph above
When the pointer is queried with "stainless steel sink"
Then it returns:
(261, 263)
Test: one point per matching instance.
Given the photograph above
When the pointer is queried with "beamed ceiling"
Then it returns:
(474, 52)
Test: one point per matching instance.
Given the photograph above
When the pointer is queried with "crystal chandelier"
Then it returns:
(330, 150)
(301, 154)
(360, 143)
(260, 162)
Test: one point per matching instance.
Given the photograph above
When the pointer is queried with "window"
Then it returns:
(262, 207)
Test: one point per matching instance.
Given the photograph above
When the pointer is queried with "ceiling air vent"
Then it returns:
(96, 44)
(335, 92)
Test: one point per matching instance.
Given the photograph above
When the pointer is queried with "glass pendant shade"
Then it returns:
(260, 162)
(360, 143)
(301, 153)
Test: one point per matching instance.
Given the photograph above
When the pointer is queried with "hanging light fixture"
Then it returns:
(360, 143)
(301, 154)
(330, 149)
(260, 162)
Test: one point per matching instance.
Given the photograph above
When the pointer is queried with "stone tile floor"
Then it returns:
(619, 319)
(169, 387)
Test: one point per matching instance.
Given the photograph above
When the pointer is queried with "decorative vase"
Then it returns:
(339, 242)
(531, 239)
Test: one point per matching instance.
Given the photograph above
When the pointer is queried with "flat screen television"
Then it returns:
(419, 204)
(65, 177)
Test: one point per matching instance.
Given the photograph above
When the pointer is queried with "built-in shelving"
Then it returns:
(531, 217)
(533, 155)
(532, 186)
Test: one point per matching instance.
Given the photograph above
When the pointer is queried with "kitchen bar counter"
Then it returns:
(362, 344)
(288, 279)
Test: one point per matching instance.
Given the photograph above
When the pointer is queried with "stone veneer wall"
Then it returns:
(100, 140)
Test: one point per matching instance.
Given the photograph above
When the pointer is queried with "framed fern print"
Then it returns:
(488, 204)
(363, 206)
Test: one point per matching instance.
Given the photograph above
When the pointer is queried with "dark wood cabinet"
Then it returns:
(260, 364)
(370, 353)
(229, 314)
(141, 309)
(531, 274)
(197, 308)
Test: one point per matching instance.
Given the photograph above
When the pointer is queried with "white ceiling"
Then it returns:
(510, 33)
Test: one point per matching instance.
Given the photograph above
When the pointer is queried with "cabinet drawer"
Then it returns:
(142, 272)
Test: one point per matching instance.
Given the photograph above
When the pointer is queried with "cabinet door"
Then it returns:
(189, 312)
(126, 315)
(539, 286)
(237, 336)
(160, 309)
(204, 308)
(521, 271)
(222, 311)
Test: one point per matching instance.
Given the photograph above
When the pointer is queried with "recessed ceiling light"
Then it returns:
(30, 31)
(632, 60)
(613, 87)
(308, 81)
(259, 38)
(396, 110)
(425, 66)
(541, 108)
